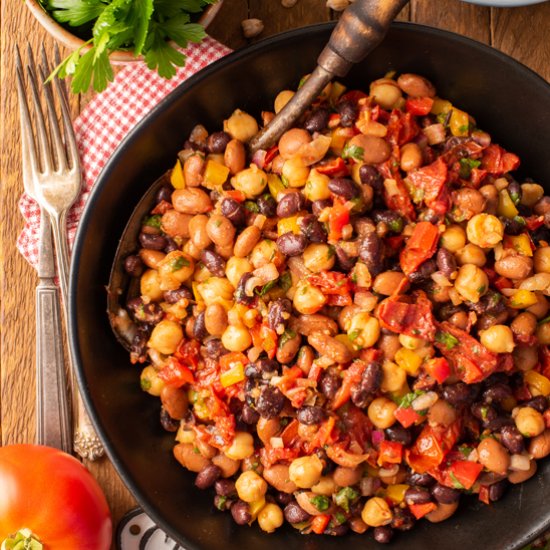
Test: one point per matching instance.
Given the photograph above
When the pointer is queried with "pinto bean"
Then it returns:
(268, 428)
(514, 267)
(346, 477)
(520, 476)
(220, 230)
(288, 349)
(375, 149)
(308, 324)
(539, 446)
(329, 346)
(493, 456)
(175, 223)
(193, 170)
(191, 200)
(442, 512)
(278, 477)
(246, 241)
(227, 466)
(175, 401)
(186, 455)
(415, 85)
(234, 156)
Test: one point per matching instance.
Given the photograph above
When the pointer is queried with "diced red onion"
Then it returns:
(435, 133)
(258, 158)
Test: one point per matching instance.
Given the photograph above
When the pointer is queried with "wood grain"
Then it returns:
(520, 32)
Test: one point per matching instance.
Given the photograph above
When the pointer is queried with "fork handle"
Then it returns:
(86, 443)
(54, 418)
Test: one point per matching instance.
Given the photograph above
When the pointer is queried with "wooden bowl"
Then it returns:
(73, 42)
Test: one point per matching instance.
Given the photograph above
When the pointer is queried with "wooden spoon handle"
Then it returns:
(360, 29)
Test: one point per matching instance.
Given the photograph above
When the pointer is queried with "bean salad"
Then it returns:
(350, 330)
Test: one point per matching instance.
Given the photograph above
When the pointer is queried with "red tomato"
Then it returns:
(52, 494)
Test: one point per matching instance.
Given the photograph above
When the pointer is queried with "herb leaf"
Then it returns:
(321, 502)
(448, 340)
(353, 152)
(76, 12)
(466, 166)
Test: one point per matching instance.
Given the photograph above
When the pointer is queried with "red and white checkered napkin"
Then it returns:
(105, 122)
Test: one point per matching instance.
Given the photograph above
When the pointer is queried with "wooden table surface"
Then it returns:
(520, 32)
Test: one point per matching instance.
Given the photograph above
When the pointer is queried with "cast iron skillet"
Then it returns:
(507, 99)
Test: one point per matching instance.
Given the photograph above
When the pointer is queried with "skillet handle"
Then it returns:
(360, 29)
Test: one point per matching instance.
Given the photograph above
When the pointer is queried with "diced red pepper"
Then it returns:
(229, 359)
(503, 282)
(534, 222)
(438, 368)
(419, 106)
(484, 494)
(331, 283)
(320, 523)
(407, 416)
(546, 417)
(463, 149)
(271, 455)
(402, 127)
(399, 201)
(420, 510)
(465, 472)
(188, 353)
(175, 374)
(271, 153)
(162, 207)
(335, 167)
(352, 377)
(236, 195)
(390, 452)
(315, 372)
(431, 179)
(420, 247)
(498, 161)
(269, 341)
(353, 95)
(477, 176)
(414, 319)
(322, 436)
(338, 217)
(290, 434)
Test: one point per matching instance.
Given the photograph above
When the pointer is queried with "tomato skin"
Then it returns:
(52, 494)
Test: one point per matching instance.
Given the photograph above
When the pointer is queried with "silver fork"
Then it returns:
(52, 173)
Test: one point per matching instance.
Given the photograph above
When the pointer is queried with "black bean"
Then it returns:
(145, 313)
(344, 187)
(283, 498)
(348, 113)
(133, 265)
(241, 512)
(152, 242)
(234, 211)
(496, 490)
(498, 423)
(539, 403)
(345, 262)
(290, 203)
(429, 215)
(199, 328)
(267, 205)
(370, 382)
(222, 503)
(330, 383)
(383, 534)
(424, 271)
(445, 495)
(312, 228)
(491, 303)
(270, 402)
(415, 495)
(542, 233)
(213, 262)
(318, 206)
(171, 245)
(485, 413)
(295, 514)
(213, 349)
(138, 349)
(207, 476)
(249, 415)
(512, 226)
(403, 520)
(422, 480)
(497, 393)
(336, 530)
(217, 142)
(371, 176)
(164, 194)
(317, 120)
(225, 487)
(393, 220)
(399, 434)
(173, 296)
(167, 422)
(371, 253)
(457, 394)
(278, 314)
(446, 262)
(240, 293)
(291, 244)
(310, 415)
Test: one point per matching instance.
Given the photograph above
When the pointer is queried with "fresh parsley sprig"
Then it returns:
(152, 28)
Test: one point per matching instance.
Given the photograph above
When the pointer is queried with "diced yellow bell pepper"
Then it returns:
(459, 123)
(538, 383)
(336, 91)
(506, 206)
(176, 177)
(339, 138)
(520, 243)
(233, 376)
(441, 106)
(347, 342)
(196, 293)
(408, 360)
(275, 185)
(255, 508)
(185, 435)
(215, 174)
(284, 225)
(396, 493)
(522, 299)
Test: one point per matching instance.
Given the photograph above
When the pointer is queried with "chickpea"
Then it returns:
(305, 471)
(176, 268)
(151, 382)
(150, 285)
(539, 447)
(241, 126)
(215, 319)
(471, 282)
(175, 223)
(541, 259)
(250, 486)
(385, 92)
(282, 99)
(242, 446)
(326, 486)
(380, 412)
(529, 422)
(453, 238)
(411, 157)
(543, 334)
(410, 342)
(498, 338)
(291, 141)
(540, 309)
(493, 456)
(520, 476)
(376, 512)
(365, 330)
(393, 377)
(471, 254)
(531, 193)
(525, 357)
(316, 187)
(166, 336)
(485, 230)
(236, 268)
(251, 181)
(236, 338)
(295, 172)
(386, 282)
(151, 258)
(307, 298)
(234, 156)
(266, 252)
(319, 257)
(270, 518)
(524, 325)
